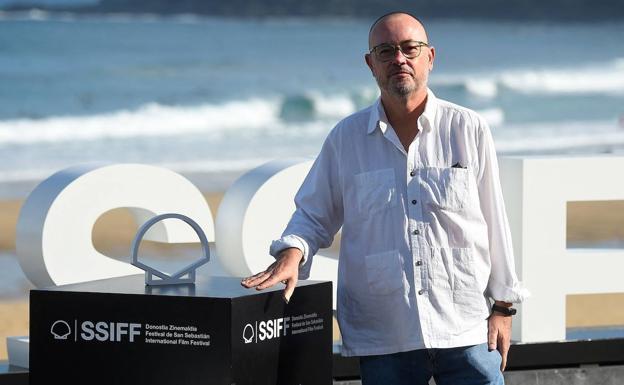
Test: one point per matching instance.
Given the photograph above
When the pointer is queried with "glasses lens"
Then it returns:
(411, 49)
(385, 52)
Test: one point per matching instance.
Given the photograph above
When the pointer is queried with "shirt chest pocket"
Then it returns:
(448, 187)
(375, 191)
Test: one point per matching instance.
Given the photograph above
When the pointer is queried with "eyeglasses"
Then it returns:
(409, 48)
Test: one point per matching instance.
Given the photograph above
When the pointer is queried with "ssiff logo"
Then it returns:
(98, 331)
(266, 330)
(60, 330)
(248, 333)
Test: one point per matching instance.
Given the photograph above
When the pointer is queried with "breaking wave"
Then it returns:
(603, 78)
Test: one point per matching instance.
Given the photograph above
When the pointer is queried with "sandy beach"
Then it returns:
(13, 322)
(114, 231)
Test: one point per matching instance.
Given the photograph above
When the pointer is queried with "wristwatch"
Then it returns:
(506, 311)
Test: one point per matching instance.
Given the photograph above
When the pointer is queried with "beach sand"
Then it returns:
(588, 223)
(13, 322)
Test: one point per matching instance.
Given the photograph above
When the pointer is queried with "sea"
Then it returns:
(195, 93)
(200, 93)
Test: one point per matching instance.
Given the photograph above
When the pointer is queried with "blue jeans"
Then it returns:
(466, 365)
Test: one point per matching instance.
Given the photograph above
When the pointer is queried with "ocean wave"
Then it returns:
(535, 138)
(156, 120)
(607, 79)
(33, 14)
(486, 88)
(25, 175)
(562, 144)
(298, 116)
(314, 105)
(560, 137)
(150, 120)
(37, 14)
(494, 116)
(270, 115)
(598, 78)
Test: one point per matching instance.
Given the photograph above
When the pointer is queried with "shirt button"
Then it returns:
(414, 201)
(412, 173)
(418, 263)
(421, 292)
(416, 232)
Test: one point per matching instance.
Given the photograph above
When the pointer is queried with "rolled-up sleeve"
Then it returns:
(503, 284)
(319, 209)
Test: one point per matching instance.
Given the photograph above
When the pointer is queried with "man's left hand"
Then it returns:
(499, 335)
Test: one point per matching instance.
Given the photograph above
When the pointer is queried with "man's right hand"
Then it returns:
(285, 269)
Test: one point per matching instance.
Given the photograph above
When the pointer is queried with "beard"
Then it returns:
(402, 88)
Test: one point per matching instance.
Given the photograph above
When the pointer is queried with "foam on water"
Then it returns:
(156, 120)
(333, 106)
(559, 137)
(150, 120)
(36, 14)
(494, 116)
(605, 78)
(596, 78)
(486, 88)
(202, 136)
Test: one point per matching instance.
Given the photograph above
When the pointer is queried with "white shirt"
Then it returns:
(425, 238)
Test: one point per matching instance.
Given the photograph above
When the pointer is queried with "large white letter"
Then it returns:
(536, 192)
(54, 228)
(254, 211)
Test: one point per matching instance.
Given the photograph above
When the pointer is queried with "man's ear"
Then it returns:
(369, 62)
(431, 57)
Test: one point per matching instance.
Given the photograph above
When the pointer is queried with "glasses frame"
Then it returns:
(373, 51)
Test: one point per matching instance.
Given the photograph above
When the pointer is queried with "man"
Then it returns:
(413, 181)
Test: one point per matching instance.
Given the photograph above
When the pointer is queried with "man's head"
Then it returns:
(396, 74)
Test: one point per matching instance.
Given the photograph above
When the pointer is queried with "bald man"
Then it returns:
(426, 276)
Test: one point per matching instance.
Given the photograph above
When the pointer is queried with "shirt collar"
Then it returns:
(379, 119)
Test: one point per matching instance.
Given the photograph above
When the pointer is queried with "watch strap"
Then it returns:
(506, 311)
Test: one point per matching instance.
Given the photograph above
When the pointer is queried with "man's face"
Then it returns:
(400, 76)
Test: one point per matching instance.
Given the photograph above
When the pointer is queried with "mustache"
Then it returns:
(401, 70)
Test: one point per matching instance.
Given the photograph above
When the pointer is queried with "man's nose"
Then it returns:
(398, 57)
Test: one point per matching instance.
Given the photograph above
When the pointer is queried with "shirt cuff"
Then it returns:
(514, 294)
(290, 241)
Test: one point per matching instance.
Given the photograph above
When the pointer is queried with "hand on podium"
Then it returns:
(285, 269)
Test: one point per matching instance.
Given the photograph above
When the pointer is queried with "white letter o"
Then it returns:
(53, 237)
(254, 211)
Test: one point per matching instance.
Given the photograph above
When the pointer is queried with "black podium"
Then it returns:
(119, 331)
